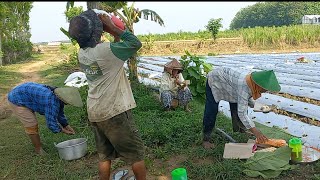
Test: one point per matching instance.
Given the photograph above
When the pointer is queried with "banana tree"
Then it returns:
(129, 16)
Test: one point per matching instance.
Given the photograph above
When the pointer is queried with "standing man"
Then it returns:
(28, 98)
(110, 98)
(238, 89)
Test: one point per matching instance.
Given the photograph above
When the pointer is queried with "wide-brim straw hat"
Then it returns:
(69, 95)
(174, 64)
(267, 80)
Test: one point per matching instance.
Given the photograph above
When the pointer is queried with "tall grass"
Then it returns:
(258, 36)
(187, 36)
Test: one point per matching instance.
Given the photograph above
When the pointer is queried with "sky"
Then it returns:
(46, 18)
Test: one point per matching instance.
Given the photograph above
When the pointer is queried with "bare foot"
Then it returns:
(207, 145)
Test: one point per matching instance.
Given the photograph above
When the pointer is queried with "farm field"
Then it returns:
(298, 101)
(172, 139)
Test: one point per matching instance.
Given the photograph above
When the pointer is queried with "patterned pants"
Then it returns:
(183, 95)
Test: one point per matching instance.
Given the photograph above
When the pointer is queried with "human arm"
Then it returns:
(247, 122)
(51, 114)
(251, 102)
(66, 128)
(54, 120)
(130, 44)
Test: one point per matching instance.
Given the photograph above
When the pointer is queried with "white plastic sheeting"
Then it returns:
(295, 78)
(76, 79)
(297, 107)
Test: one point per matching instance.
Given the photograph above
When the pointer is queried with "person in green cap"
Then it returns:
(240, 90)
(28, 98)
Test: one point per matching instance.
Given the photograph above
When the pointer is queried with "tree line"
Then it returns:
(15, 33)
(266, 14)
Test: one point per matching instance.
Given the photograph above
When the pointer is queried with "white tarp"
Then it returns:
(76, 79)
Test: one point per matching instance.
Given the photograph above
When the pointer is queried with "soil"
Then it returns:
(298, 117)
(299, 98)
(221, 46)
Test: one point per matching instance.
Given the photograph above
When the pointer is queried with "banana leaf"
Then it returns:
(267, 173)
(268, 164)
(269, 160)
(274, 132)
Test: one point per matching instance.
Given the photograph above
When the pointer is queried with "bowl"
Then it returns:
(72, 149)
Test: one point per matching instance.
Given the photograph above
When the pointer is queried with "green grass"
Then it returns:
(173, 139)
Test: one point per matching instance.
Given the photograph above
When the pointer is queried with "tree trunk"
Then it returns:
(132, 65)
(92, 5)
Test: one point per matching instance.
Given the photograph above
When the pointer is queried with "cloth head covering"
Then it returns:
(174, 64)
(255, 89)
(69, 95)
(267, 80)
(86, 29)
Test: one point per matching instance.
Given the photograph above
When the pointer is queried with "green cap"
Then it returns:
(69, 95)
(267, 80)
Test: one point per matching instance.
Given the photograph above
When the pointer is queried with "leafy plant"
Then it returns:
(72, 12)
(15, 31)
(149, 42)
(212, 54)
(213, 26)
(195, 70)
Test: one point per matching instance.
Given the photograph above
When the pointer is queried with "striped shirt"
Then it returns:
(230, 85)
(40, 98)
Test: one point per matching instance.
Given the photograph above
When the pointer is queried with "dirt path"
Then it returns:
(30, 72)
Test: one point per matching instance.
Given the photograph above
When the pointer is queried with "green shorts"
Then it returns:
(118, 137)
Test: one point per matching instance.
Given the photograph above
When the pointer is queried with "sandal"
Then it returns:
(120, 174)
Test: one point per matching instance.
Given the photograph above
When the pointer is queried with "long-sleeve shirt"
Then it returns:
(39, 98)
(230, 85)
(167, 82)
(109, 91)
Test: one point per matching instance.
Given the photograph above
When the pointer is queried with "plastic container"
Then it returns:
(296, 149)
(179, 174)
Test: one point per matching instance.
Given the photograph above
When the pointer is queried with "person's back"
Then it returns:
(28, 98)
(110, 98)
(109, 90)
(226, 84)
(33, 96)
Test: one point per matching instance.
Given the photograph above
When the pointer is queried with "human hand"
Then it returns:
(109, 26)
(176, 81)
(261, 138)
(265, 109)
(106, 21)
(68, 130)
